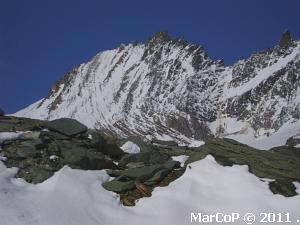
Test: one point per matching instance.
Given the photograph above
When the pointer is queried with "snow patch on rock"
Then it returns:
(130, 147)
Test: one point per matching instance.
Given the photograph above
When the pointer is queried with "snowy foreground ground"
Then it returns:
(76, 197)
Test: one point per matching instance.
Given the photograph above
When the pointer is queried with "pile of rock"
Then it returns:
(46, 148)
(139, 174)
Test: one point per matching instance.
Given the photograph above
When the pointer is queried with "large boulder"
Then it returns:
(66, 126)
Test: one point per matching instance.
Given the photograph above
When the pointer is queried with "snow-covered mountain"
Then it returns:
(170, 89)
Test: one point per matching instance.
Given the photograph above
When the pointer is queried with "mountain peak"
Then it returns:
(285, 40)
(168, 88)
(161, 36)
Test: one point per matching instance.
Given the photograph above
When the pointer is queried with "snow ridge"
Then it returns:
(168, 87)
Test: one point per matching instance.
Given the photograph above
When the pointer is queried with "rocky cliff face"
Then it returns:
(265, 89)
(168, 88)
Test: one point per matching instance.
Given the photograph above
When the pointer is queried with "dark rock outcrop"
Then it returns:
(281, 163)
(66, 126)
(149, 175)
(38, 153)
(148, 158)
(11, 124)
(106, 146)
(286, 40)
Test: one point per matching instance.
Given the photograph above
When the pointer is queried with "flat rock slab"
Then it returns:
(118, 186)
(66, 126)
(149, 175)
(142, 173)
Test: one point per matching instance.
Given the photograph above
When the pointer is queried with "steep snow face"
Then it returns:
(168, 87)
(76, 197)
(149, 89)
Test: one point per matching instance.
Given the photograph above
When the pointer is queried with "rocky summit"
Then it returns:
(168, 88)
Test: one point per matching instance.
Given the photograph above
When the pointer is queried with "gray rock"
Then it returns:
(283, 187)
(53, 148)
(81, 157)
(34, 174)
(21, 149)
(105, 146)
(112, 150)
(28, 149)
(11, 124)
(114, 173)
(167, 143)
(96, 138)
(71, 152)
(135, 165)
(165, 169)
(149, 175)
(47, 136)
(286, 40)
(141, 174)
(148, 158)
(96, 164)
(171, 164)
(66, 126)
(118, 186)
(158, 176)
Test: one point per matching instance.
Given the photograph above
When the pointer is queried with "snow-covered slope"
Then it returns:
(169, 88)
(76, 197)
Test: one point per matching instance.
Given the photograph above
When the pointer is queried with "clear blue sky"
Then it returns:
(40, 40)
